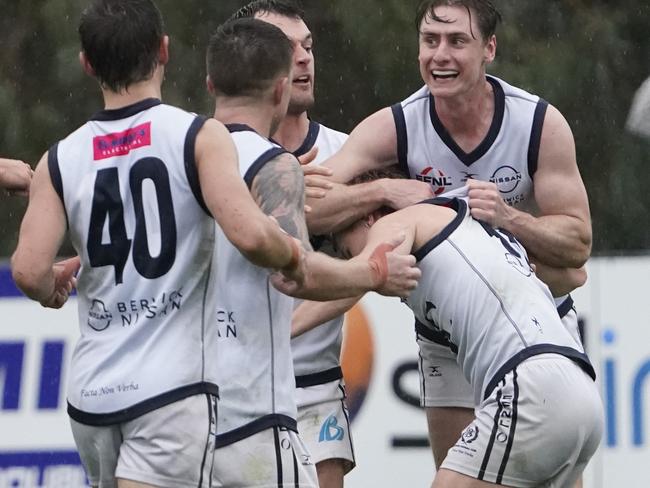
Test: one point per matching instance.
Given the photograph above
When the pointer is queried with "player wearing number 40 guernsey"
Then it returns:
(137, 188)
(532, 384)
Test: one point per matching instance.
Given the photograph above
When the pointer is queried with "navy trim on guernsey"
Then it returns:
(580, 358)
(493, 132)
(440, 337)
(536, 136)
(320, 378)
(513, 426)
(459, 206)
(189, 152)
(260, 162)
(55, 175)
(310, 140)
(402, 138)
(251, 428)
(565, 307)
(239, 128)
(139, 409)
(126, 112)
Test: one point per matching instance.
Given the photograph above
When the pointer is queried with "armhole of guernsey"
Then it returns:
(190, 160)
(402, 138)
(536, 136)
(55, 176)
(260, 162)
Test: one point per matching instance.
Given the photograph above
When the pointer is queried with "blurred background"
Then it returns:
(586, 57)
(589, 58)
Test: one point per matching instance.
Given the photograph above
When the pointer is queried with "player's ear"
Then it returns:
(85, 64)
(490, 49)
(282, 87)
(163, 51)
(209, 85)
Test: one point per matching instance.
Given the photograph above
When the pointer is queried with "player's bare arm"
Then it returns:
(228, 199)
(33, 267)
(310, 314)
(279, 190)
(15, 176)
(371, 145)
(561, 235)
(561, 281)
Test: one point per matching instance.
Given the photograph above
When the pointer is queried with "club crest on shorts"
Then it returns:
(470, 434)
(331, 431)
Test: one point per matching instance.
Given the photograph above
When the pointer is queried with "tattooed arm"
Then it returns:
(279, 190)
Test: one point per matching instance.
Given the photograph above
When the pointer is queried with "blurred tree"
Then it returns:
(585, 57)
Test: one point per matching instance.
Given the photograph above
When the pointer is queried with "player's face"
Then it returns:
(351, 241)
(453, 54)
(302, 93)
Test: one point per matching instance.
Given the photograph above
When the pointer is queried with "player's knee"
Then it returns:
(331, 473)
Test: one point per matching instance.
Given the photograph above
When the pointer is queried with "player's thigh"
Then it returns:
(172, 446)
(133, 484)
(324, 424)
(99, 450)
(451, 479)
(272, 457)
(331, 473)
(446, 425)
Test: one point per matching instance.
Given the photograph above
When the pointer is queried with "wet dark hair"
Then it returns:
(286, 8)
(377, 174)
(121, 40)
(246, 56)
(488, 17)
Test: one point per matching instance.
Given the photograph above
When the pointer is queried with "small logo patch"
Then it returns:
(121, 143)
(331, 431)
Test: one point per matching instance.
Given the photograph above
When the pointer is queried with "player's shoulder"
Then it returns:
(514, 93)
(417, 97)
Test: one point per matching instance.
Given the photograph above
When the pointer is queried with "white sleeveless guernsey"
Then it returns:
(255, 368)
(479, 296)
(316, 354)
(131, 193)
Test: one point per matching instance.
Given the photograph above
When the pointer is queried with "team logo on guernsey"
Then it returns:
(436, 178)
(331, 430)
(506, 178)
(121, 143)
(470, 434)
(99, 318)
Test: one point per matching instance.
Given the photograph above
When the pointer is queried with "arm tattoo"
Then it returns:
(279, 190)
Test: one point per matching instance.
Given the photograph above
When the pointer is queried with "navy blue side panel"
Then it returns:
(55, 175)
(126, 112)
(190, 161)
(310, 140)
(461, 207)
(319, 378)
(402, 138)
(260, 162)
(536, 136)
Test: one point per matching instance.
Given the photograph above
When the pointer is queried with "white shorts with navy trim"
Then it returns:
(324, 425)
(170, 447)
(272, 458)
(538, 428)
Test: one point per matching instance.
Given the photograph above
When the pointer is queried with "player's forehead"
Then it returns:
(294, 28)
(453, 20)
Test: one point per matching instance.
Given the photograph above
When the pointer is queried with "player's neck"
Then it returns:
(460, 114)
(134, 94)
(292, 131)
(256, 117)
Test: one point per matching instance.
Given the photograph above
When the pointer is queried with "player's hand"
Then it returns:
(486, 204)
(309, 156)
(396, 274)
(15, 176)
(64, 282)
(401, 193)
(316, 180)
